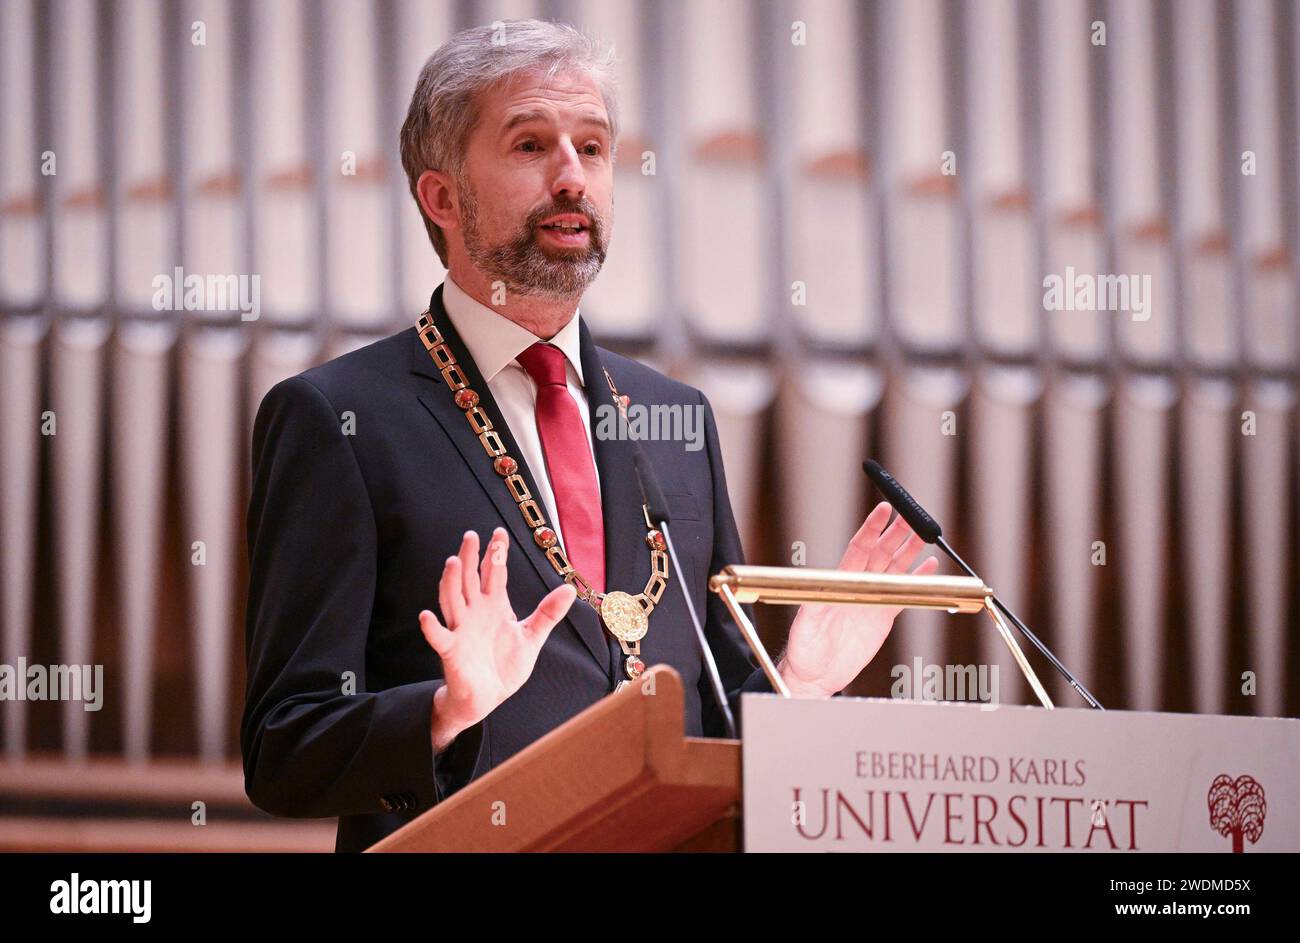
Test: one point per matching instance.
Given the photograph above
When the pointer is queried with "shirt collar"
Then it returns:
(494, 341)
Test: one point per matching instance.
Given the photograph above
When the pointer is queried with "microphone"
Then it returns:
(652, 497)
(927, 528)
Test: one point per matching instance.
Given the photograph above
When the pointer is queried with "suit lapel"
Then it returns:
(438, 401)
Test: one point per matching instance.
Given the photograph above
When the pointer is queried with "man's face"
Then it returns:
(538, 164)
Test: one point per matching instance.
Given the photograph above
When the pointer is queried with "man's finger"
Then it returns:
(894, 537)
(439, 637)
(902, 560)
(928, 566)
(859, 548)
(493, 574)
(549, 612)
(451, 593)
(469, 565)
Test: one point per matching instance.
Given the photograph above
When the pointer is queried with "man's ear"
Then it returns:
(438, 198)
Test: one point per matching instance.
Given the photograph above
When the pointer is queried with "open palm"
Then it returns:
(487, 654)
(829, 645)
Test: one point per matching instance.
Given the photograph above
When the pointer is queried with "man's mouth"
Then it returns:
(566, 232)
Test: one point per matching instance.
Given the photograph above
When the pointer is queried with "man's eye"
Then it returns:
(592, 149)
(529, 146)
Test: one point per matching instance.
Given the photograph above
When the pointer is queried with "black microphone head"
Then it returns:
(651, 496)
(925, 526)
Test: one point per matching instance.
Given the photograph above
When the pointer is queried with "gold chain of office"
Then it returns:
(626, 616)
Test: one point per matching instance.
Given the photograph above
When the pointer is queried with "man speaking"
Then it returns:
(447, 560)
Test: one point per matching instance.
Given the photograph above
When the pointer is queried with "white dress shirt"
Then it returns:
(494, 341)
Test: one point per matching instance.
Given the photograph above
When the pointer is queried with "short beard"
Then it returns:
(523, 265)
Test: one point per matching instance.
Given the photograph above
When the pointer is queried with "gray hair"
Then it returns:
(444, 109)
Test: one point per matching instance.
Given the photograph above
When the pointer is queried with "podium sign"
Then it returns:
(866, 774)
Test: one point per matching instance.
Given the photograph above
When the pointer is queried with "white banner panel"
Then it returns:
(865, 774)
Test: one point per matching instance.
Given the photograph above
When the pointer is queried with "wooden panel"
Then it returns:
(22, 229)
(142, 360)
(1208, 428)
(1132, 140)
(834, 251)
(825, 411)
(922, 452)
(46, 776)
(1075, 246)
(213, 188)
(145, 836)
(741, 395)
(1143, 417)
(1066, 111)
(1002, 490)
(285, 217)
(21, 351)
(1074, 450)
(1200, 152)
(1271, 546)
(618, 777)
(358, 285)
(80, 237)
(78, 355)
(211, 458)
(421, 28)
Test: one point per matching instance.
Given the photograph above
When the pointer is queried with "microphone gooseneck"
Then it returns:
(928, 529)
(652, 497)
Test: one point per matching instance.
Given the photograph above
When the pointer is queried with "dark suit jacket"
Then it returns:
(347, 534)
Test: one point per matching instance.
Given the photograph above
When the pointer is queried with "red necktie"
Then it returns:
(568, 463)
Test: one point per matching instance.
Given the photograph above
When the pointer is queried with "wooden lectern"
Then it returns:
(621, 776)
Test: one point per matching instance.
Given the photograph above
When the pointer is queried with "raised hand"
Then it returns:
(487, 654)
(829, 645)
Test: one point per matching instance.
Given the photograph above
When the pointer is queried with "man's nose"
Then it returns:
(570, 179)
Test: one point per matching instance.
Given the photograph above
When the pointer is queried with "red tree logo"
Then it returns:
(1237, 808)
